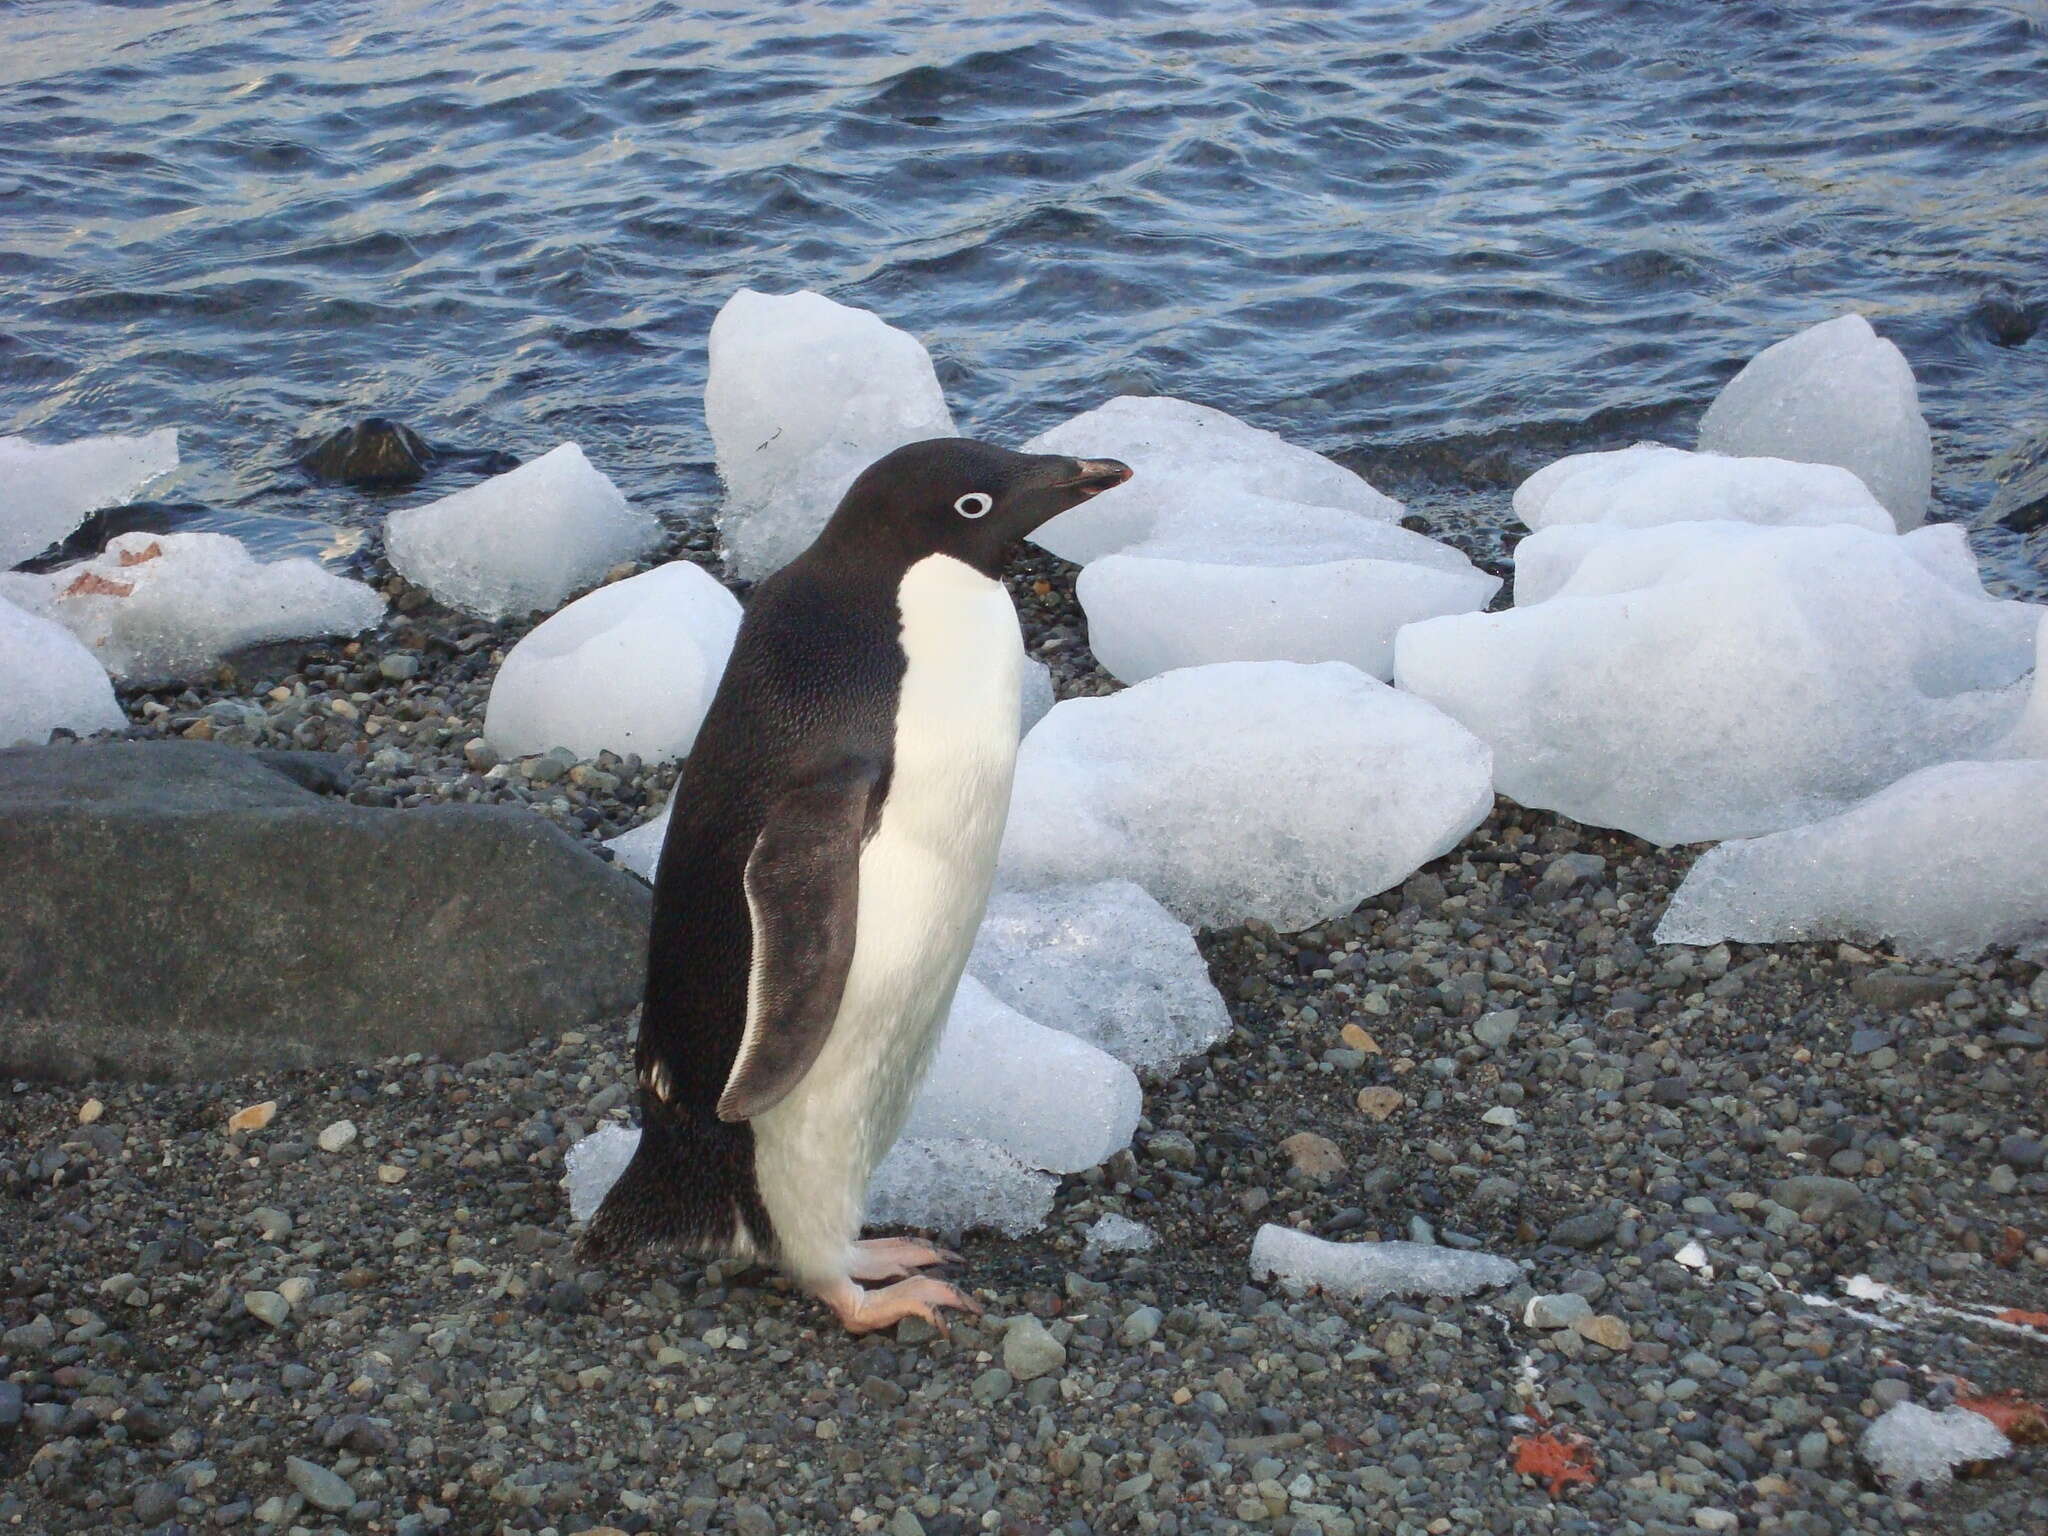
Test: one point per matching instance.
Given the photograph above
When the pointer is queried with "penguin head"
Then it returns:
(955, 496)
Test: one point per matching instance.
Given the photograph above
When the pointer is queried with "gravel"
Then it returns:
(431, 1357)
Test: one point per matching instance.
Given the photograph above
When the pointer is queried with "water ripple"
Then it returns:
(1443, 242)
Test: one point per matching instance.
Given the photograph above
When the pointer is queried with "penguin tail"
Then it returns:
(671, 1198)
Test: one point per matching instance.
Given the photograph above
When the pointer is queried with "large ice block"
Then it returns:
(1267, 790)
(802, 395)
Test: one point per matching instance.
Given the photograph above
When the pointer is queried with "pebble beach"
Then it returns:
(365, 1315)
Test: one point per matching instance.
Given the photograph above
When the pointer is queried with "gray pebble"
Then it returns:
(323, 1489)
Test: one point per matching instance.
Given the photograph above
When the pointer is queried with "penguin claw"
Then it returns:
(920, 1296)
(892, 1258)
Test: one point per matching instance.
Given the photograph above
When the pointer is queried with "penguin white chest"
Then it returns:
(924, 882)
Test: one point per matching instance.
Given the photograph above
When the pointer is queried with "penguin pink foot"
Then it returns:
(920, 1296)
(891, 1258)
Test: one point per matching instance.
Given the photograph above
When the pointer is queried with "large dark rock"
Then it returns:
(2019, 499)
(182, 910)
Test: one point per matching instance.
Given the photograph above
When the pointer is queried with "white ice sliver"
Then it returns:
(155, 606)
(46, 489)
(1836, 393)
(1034, 694)
(593, 1165)
(1910, 1446)
(520, 541)
(1105, 962)
(1649, 484)
(630, 667)
(955, 1185)
(1943, 863)
(802, 395)
(1050, 1100)
(48, 680)
(640, 849)
(1710, 680)
(1369, 1271)
(1266, 790)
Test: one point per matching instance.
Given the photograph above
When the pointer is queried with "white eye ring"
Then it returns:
(974, 504)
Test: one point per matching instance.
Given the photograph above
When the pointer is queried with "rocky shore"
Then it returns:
(364, 1315)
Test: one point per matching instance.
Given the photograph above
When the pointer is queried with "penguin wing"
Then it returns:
(803, 893)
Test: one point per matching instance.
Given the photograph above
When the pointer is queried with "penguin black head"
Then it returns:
(955, 496)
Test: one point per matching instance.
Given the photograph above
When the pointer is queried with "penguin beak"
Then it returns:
(1091, 477)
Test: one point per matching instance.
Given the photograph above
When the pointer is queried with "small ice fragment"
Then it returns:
(1650, 484)
(1369, 1271)
(630, 667)
(156, 606)
(46, 489)
(49, 680)
(593, 1166)
(640, 849)
(1105, 962)
(1197, 470)
(1050, 1100)
(955, 1185)
(1267, 790)
(801, 396)
(1910, 1446)
(1836, 393)
(520, 541)
(1112, 1233)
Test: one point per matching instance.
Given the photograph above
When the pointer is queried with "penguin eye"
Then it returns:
(974, 504)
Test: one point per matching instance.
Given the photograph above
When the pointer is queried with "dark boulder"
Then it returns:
(375, 451)
(184, 911)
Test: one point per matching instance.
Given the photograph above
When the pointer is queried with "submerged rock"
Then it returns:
(375, 451)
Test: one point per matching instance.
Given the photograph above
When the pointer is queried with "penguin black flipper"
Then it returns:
(803, 897)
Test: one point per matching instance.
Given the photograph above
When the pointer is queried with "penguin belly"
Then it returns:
(924, 882)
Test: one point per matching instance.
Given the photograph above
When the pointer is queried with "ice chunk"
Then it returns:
(1265, 790)
(1712, 680)
(1105, 962)
(640, 849)
(1943, 863)
(1836, 393)
(1050, 1100)
(48, 680)
(1119, 1234)
(630, 667)
(1150, 611)
(1910, 1446)
(2029, 738)
(167, 605)
(954, 1185)
(520, 541)
(1369, 1271)
(1035, 694)
(594, 1164)
(1197, 470)
(802, 395)
(1648, 484)
(46, 489)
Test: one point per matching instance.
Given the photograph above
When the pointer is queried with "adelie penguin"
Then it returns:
(826, 866)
